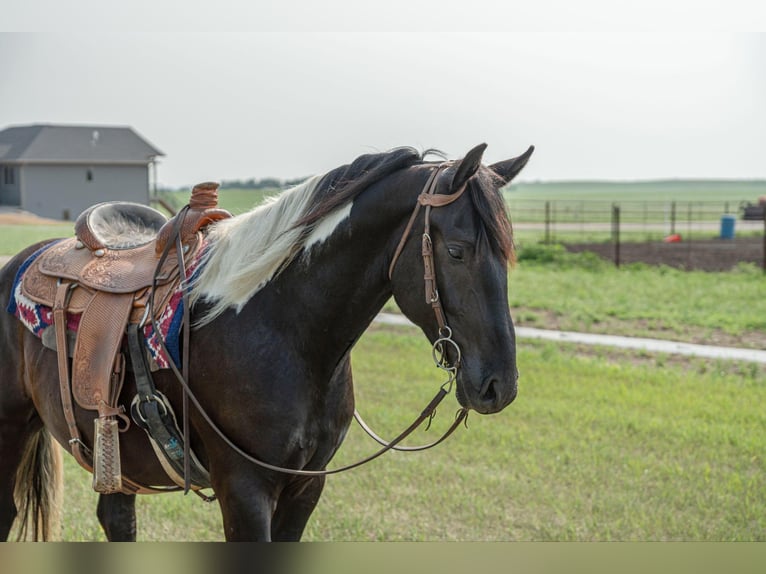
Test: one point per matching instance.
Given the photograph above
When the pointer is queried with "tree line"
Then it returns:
(252, 183)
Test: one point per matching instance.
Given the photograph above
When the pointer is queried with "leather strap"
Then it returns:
(59, 320)
(80, 451)
(407, 230)
(430, 199)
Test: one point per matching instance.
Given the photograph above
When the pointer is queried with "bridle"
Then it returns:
(428, 199)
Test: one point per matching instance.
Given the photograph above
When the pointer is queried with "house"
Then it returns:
(58, 171)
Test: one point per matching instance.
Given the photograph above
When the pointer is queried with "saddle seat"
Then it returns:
(118, 225)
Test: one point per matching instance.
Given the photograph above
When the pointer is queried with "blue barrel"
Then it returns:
(727, 226)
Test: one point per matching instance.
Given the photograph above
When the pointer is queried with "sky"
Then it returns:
(226, 105)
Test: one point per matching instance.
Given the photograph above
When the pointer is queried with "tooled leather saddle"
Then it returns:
(108, 276)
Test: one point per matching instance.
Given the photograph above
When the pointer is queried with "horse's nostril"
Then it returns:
(490, 392)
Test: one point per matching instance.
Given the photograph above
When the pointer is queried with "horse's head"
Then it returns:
(470, 235)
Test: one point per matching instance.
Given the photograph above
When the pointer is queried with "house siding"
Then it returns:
(64, 191)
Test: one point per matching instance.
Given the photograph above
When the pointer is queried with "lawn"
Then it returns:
(235, 200)
(598, 446)
(579, 292)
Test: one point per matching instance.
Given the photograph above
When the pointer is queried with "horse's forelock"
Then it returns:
(489, 204)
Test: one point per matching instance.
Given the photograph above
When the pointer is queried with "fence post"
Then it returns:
(616, 233)
(763, 265)
(672, 218)
(547, 222)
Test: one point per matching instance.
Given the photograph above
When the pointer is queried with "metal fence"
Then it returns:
(594, 221)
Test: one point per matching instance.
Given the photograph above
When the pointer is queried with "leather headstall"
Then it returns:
(429, 199)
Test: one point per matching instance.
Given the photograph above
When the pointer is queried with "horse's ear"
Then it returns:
(510, 168)
(468, 166)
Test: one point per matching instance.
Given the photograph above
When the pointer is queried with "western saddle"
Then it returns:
(117, 270)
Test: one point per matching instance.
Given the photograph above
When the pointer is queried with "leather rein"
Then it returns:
(429, 199)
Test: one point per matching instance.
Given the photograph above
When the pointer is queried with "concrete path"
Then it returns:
(637, 343)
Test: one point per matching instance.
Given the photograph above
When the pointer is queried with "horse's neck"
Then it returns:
(337, 291)
(333, 294)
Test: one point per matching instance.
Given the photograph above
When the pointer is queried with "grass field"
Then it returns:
(14, 238)
(550, 288)
(649, 210)
(235, 200)
(653, 191)
(597, 447)
(600, 444)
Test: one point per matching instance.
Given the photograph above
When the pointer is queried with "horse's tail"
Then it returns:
(39, 485)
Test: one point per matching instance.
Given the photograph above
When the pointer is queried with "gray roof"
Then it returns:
(74, 144)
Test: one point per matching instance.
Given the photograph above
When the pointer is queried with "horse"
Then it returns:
(284, 292)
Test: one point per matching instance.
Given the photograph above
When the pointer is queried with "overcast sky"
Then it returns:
(288, 104)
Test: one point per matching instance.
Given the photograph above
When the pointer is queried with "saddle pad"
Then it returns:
(32, 314)
(37, 317)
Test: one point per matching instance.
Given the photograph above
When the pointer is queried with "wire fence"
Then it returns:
(714, 225)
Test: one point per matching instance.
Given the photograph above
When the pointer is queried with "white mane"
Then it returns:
(248, 251)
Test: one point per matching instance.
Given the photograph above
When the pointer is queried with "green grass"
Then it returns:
(596, 447)
(653, 191)
(235, 200)
(600, 445)
(584, 293)
(646, 208)
(550, 288)
(14, 238)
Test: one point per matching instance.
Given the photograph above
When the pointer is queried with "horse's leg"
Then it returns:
(296, 503)
(117, 515)
(247, 506)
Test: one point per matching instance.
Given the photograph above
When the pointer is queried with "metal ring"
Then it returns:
(439, 354)
(151, 399)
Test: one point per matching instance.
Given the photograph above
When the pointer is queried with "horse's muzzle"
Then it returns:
(495, 392)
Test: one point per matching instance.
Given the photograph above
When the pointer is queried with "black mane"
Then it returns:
(344, 183)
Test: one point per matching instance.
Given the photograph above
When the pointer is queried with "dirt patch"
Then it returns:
(703, 254)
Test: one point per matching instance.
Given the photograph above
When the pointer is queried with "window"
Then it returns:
(89, 175)
(9, 175)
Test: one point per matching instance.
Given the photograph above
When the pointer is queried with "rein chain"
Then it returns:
(427, 198)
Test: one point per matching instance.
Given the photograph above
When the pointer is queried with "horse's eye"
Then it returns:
(455, 252)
